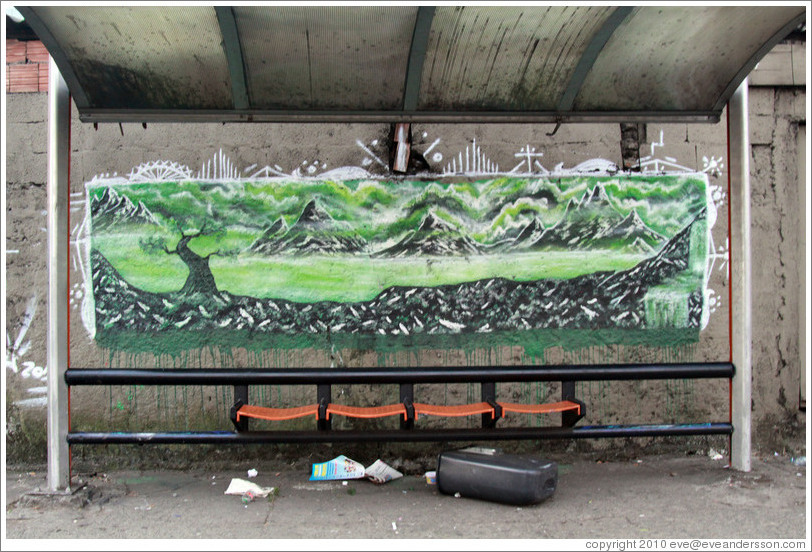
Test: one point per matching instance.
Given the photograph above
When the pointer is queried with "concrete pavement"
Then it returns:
(669, 496)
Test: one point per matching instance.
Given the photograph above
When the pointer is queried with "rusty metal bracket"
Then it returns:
(402, 146)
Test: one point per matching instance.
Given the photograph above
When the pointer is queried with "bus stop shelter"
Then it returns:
(525, 64)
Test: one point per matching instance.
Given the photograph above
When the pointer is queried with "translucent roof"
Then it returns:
(505, 58)
(142, 57)
(407, 63)
(325, 57)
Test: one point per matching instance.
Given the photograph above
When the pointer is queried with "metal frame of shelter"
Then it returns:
(58, 215)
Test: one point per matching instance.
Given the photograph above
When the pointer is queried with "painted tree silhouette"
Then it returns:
(200, 278)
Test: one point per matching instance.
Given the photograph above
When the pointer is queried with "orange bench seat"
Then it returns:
(367, 411)
(561, 406)
(453, 410)
(399, 409)
(276, 414)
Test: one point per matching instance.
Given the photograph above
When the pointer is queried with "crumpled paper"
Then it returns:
(241, 486)
(380, 472)
(342, 467)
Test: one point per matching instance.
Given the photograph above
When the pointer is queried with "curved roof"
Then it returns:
(407, 63)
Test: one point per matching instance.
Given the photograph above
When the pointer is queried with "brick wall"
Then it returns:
(26, 66)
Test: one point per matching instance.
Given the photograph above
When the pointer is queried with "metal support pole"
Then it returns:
(58, 233)
(803, 255)
(740, 277)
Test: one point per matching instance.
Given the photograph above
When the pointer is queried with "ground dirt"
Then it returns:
(648, 497)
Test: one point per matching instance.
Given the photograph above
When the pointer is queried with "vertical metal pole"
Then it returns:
(803, 265)
(740, 280)
(58, 232)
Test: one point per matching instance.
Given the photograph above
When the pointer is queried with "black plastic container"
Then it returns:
(505, 478)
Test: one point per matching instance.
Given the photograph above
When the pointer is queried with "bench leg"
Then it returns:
(570, 417)
(489, 396)
(240, 398)
(324, 395)
(407, 398)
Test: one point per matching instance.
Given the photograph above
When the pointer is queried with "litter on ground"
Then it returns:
(241, 487)
(338, 468)
(380, 472)
(342, 467)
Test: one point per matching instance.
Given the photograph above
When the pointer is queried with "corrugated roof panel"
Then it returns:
(163, 57)
(352, 58)
(505, 58)
(677, 57)
(407, 63)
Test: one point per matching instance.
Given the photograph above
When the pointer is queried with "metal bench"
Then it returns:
(491, 408)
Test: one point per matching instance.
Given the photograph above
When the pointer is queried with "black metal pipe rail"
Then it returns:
(479, 434)
(444, 374)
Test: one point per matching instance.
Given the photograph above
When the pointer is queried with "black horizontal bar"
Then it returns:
(260, 376)
(481, 434)
(117, 115)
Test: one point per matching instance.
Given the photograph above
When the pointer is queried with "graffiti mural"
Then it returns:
(530, 257)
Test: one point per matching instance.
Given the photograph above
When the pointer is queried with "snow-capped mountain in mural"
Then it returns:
(314, 232)
(112, 209)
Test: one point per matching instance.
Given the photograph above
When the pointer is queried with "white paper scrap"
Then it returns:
(379, 472)
(241, 486)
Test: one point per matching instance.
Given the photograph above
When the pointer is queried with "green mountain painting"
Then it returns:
(399, 260)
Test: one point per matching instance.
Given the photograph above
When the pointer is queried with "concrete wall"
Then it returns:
(778, 235)
(779, 240)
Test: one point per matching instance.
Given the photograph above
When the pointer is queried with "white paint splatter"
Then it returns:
(712, 166)
(158, 171)
(650, 165)
(657, 144)
(267, 172)
(36, 402)
(346, 173)
(15, 354)
(589, 312)
(474, 163)
(431, 147)
(369, 152)
(530, 156)
(451, 325)
(182, 323)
